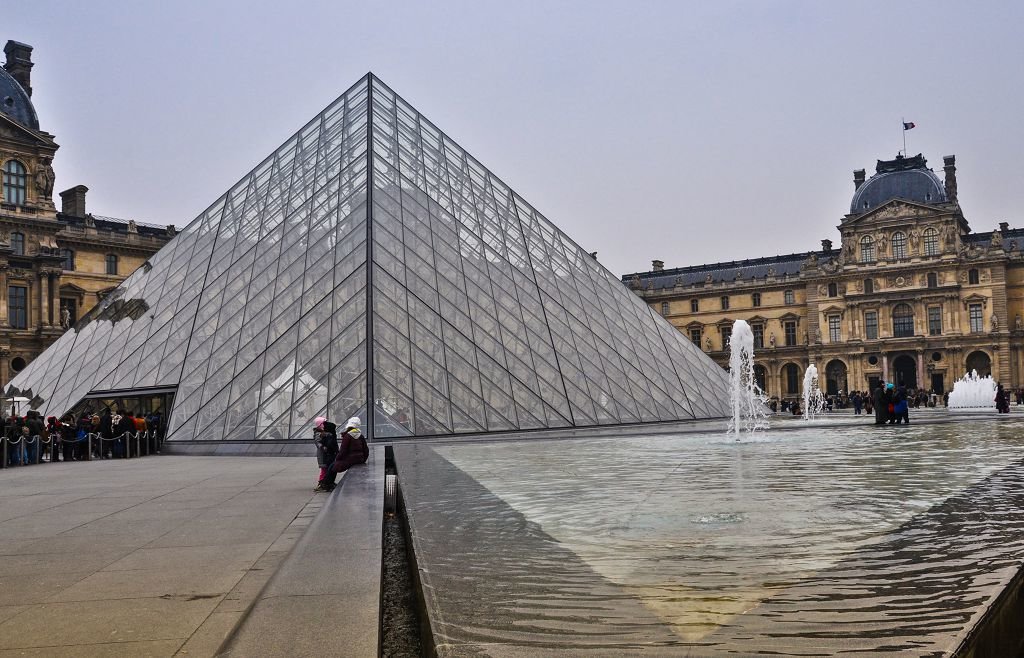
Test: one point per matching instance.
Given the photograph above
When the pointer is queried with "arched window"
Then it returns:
(755, 299)
(111, 263)
(833, 290)
(867, 249)
(792, 376)
(869, 286)
(15, 182)
(18, 243)
(931, 242)
(902, 321)
(69, 259)
(899, 245)
(972, 276)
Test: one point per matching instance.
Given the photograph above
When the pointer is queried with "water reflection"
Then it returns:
(735, 548)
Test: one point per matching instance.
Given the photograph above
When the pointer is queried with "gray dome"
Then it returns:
(903, 178)
(15, 103)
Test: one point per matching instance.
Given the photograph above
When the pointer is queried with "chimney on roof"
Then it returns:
(949, 165)
(1004, 227)
(19, 63)
(657, 265)
(826, 246)
(858, 179)
(72, 202)
(593, 255)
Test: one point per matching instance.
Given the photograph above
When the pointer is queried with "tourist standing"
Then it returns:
(1002, 400)
(856, 403)
(880, 404)
(901, 406)
(326, 439)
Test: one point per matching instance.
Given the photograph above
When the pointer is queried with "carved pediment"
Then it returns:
(12, 130)
(895, 209)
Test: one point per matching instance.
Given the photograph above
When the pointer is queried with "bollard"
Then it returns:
(137, 453)
(88, 446)
(39, 448)
(4, 439)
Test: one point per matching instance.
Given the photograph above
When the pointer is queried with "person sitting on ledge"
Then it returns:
(353, 450)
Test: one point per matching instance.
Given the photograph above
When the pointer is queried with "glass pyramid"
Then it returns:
(370, 257)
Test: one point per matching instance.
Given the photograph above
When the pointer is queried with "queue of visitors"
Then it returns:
(69, 438)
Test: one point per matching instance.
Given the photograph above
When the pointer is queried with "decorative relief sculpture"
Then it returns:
(65, 318)
(771, 336)
(997, 239)
(995, 322)
(707, 343)
(1017, 323)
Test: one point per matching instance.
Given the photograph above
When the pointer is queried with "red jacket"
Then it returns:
(353, 451)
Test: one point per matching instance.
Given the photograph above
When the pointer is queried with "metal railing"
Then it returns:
(27, 450)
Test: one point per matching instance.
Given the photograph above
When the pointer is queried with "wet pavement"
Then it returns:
(812, 539)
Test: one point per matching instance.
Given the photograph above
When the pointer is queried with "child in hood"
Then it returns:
(326, 439)
(353, 450)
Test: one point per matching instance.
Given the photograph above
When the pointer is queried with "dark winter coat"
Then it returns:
(353, 451)
(881, 406)
(326, 445)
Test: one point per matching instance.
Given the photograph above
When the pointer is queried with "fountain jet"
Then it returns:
(746, 398)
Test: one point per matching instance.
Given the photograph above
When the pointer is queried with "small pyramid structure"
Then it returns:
(370, 258)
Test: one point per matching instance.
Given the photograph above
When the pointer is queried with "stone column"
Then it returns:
(920, 370)
(3, 296)
(5, 367)
(44, 299)
(55, 298)
(885, 366)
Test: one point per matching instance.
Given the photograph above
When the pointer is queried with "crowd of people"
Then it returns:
(890, 396)
(29, 439)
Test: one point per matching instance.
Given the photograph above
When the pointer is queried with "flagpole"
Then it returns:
(903, 124)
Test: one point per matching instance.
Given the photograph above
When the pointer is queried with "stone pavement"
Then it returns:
(158, 556)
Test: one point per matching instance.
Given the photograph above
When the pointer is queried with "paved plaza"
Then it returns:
(158, 556)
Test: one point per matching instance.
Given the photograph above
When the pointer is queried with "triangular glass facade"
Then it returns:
(468, 312)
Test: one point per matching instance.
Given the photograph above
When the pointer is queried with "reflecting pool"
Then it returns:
(808, 540)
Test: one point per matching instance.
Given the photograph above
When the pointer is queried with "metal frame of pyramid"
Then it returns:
(370, 257)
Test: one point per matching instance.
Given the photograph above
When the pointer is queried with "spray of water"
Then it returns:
(973, 392)
(749, 411)
(814, 399)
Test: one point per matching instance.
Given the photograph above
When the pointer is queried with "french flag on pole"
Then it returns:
(907, 125)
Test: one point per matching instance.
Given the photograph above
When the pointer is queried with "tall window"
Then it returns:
(17, 306)
(755, 299)
(664, 305)
(69, 259)
(111, 263)
(933, 280)
(789, 297)
(725, 303)
(977, 322)
(15, 182)
(834, 329)
(931, 242)
(972, 276)
(758, 331)
(871, 325)
(18, 243)
(902, 321)
(726, 337)
(867, 249)
(792, 378)
(833, 290)
(899, 245)
(790, 330)
(869, 286)
(694, 305)
(934, 320)
(695, 337)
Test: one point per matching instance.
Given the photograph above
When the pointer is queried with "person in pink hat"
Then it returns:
(325, 437)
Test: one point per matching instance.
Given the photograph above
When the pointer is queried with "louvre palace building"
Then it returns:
(911, 295)
(55, 265)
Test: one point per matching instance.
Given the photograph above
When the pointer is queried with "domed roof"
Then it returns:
(15, 102)
(909, 179)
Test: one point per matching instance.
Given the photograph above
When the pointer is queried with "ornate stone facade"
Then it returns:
(911, 295)
(54, 266)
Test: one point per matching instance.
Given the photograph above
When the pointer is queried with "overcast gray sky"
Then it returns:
(690, 132)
